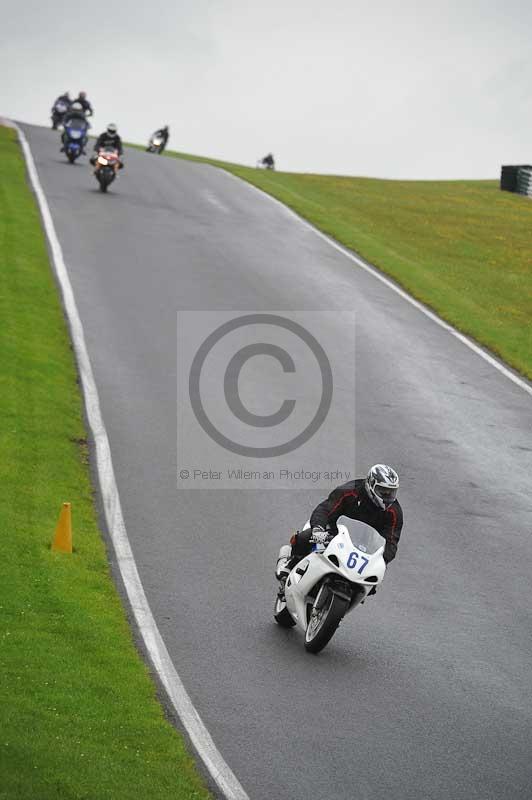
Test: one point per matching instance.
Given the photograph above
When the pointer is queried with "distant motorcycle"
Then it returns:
(156, 144)
(330, 582)
(268, 162)
(106, 165)
(58, 112)
(75, 138)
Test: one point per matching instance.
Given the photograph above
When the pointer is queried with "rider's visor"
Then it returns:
(386, 493)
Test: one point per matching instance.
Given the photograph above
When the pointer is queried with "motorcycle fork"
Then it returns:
(319, 602)
(338, 587)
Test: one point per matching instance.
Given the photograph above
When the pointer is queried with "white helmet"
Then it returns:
(382, 483)
(111, 128)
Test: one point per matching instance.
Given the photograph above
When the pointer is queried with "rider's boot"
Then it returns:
(282, 569)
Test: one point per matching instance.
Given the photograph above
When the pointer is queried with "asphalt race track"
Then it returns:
(425, 691)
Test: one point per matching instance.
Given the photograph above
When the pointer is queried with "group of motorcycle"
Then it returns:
(72, 118)
(335, 577)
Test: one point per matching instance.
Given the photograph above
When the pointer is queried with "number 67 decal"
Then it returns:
(352, 561)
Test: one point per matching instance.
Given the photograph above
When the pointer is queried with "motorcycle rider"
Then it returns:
(75, 112)
(372, 500)
(164, 133)
(82, 99)
(63, 98)
(109, 139)
(268, 161)
(57, 117)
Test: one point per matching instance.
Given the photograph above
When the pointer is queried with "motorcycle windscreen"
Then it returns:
(364, 537)
(77, 124)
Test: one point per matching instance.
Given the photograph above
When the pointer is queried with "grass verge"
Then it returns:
(79, 715)
(464, 248)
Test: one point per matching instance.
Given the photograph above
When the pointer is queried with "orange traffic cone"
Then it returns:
(63, 533)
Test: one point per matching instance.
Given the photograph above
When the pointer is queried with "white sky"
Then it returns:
(386, 88)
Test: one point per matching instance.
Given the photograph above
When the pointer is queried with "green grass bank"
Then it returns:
(79, 716)
(464, 248)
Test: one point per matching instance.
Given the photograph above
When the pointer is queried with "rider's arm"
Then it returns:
(391, 530)
(327, 512)
(320, 515)
(119, 145)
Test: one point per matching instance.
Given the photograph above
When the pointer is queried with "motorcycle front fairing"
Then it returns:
(360, 565)
(76, 133)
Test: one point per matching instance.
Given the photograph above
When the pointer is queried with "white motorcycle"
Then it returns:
(58, 112)
(156, 144)
(330, 582)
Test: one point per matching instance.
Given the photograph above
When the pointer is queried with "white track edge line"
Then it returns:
(521, 382)
(194, 726)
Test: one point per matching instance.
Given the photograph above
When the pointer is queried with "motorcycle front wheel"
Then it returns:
(323, 622)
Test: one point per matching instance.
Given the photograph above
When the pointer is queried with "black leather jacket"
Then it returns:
(351, 500)
(163, 133)
(87, 108)
(113, 141)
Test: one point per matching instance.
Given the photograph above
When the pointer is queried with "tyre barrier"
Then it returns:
(517, 179)
(524, 182)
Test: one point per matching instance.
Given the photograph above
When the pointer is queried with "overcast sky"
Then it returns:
(385, 88)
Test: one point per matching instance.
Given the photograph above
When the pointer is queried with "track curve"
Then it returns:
(426, 693)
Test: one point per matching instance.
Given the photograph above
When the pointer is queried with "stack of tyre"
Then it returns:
(517, 179)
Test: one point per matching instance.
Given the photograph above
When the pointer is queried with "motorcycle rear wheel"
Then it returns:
(282, 615)
(323, 624)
